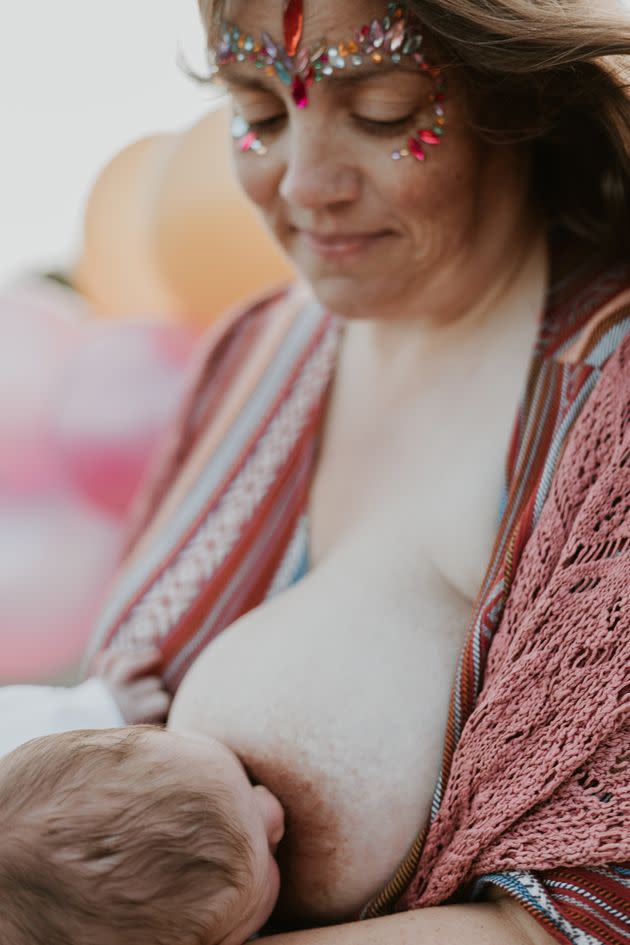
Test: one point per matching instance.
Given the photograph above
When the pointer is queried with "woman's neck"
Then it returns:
(509, 292)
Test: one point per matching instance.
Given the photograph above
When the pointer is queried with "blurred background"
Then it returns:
(79, 81)
(121, 240)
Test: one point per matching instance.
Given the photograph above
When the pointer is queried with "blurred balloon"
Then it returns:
(83, 403)
(113, 400)
(201, 216)
(56, 556)
(168, 229)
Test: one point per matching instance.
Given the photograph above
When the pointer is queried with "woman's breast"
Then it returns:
(335, 696)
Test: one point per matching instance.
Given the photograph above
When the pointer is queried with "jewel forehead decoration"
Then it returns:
(393, 39)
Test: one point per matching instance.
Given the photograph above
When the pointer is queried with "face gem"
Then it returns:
(247, 141)
(300, 95)
(283, 73)
(239, 126)
(390, 38)
(416, 149)
(377, 34)
(293, 25)
(396, 35)
(269, 46)
(429, 137)
(302, 61)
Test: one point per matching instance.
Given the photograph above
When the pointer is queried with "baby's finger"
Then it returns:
(130, 664)
(154, 706)
(138, 688)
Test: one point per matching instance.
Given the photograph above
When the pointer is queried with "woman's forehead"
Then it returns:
(334, 19)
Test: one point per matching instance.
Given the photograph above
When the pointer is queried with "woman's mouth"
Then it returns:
(337, 246)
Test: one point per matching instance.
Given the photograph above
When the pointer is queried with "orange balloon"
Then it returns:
(169, 232)
(116, 271)
(210, 244)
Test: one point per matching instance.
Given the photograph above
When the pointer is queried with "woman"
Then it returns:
(404, 487)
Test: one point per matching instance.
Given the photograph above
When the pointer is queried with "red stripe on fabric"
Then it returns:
(251, 590)
(585, 921)
(224, 374)
(184, 432)
(601, 884)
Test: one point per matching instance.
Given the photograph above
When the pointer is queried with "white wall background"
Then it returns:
(80, 79)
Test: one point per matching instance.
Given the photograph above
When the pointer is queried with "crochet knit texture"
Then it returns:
(541, 775)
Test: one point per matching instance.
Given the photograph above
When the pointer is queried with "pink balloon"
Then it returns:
(83, 405)
(116, 397)
(56, 558)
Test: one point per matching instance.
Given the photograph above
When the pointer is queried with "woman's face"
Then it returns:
(370, 233)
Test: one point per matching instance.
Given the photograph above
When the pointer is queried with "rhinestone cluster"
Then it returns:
(390, 39)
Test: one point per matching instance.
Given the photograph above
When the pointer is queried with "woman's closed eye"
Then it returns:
(374, 126)
(384, 127)
(270, 124)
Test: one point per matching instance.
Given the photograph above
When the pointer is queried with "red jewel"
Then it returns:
(247, 141)
(298, 90)
(293, 25)
(429, 137)
(416, 149)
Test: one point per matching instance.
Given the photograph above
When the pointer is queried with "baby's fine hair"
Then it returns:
(96, 850)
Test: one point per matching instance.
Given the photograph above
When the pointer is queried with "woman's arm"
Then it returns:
(501, 922)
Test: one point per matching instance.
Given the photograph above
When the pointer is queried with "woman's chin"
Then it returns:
(346, 296)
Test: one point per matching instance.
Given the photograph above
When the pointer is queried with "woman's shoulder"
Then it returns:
(589, 308)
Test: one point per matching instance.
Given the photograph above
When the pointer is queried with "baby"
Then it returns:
(134, 836)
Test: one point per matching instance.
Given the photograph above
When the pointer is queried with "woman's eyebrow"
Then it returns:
(359, 74)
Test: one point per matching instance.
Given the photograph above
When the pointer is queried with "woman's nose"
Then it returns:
(315, 175)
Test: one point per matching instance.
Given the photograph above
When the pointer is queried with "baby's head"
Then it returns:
(133, 835)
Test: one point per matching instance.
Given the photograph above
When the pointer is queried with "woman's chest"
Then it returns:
(335, 696)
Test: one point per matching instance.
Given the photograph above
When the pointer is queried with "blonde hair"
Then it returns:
(550, 73)
(96, 849)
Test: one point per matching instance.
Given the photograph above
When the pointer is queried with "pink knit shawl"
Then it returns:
(541, 774)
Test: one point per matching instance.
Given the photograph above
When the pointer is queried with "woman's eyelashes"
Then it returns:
(379, 127)
(382, 127)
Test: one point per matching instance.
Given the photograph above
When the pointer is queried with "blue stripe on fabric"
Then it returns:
(609, 343)
(557, 442)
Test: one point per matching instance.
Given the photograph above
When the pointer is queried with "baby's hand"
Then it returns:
(130, 676)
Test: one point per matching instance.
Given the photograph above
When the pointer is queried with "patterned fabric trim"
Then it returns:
(533, 896)
(580, 906)
(234, 510)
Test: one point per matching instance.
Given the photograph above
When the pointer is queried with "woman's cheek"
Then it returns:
(259, 177)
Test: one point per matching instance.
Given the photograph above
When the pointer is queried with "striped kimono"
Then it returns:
(223, 525)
